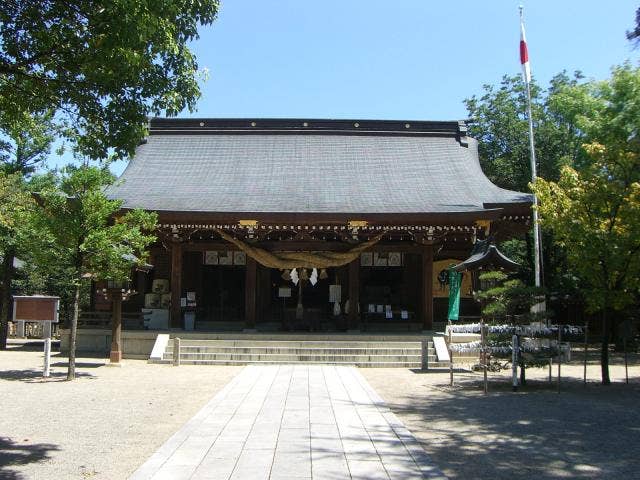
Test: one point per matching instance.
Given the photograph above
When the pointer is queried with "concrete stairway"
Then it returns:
(369, 353)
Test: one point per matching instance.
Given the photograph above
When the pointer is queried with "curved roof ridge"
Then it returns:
(302, 125)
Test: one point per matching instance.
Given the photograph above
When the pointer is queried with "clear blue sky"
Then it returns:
(406, 59)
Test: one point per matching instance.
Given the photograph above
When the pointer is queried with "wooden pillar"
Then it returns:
(354, 294)
(263, 288)
(250, 287)
(116, 326)
(427, 290)
(176, 284)
(92, 296)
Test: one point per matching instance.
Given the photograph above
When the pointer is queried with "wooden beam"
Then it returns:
(307, 218)
(354, 294)
(204, 245)
(427, 290)
(294, 246)
(250, 287)
(176, 284)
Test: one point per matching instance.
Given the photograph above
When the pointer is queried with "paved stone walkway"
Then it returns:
(292, 422)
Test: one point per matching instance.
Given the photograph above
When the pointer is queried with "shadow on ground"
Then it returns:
(65, 364)
(32, 345)
(35, 375)
(581, 432)
(14, 453)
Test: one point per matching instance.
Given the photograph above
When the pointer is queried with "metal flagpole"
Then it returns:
(536, 228)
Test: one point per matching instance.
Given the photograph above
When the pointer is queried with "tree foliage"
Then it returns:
(24, 144)
(499, 122)
(506, 297)
(508, 300)
(26, 141)
(101, 68)
(14, 200)
(634, 35)
(82, 234)
(594, 211)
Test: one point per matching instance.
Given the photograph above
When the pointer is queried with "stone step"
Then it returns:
(284, 362)
(406, 363)
(366, 353)
(298, 357)
(291, 343)
(297, 351)
(302, 351)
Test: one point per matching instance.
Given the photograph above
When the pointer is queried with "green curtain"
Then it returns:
(455, 280)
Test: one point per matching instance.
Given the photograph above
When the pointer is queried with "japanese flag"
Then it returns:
(524, 54)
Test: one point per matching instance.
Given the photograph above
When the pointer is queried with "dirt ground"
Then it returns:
(103, 425)
(535, 433)
(110, 420)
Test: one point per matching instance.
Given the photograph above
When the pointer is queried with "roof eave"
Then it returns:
(399, 218)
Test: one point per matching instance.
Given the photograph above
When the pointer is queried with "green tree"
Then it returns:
(25, 142)
(24, 145)
(499, 122)
(634, 35)
(594, 211)
(84, 235)
(509, 300)
(505, 297)
(15, 202)
(101, 67)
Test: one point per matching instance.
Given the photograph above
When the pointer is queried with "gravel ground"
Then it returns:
(581, 432)
(104, 425)
(110, 420)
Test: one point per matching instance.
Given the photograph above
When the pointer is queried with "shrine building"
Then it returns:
(310, 225)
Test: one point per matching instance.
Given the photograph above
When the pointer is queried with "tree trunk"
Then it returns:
(604, 354)
(71, 373)
(5, 310)
(523, 375)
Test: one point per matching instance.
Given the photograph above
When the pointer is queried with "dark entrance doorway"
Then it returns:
(390, 295)
(222, 294)
(317, 313)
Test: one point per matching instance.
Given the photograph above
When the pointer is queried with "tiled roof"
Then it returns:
(329, 167)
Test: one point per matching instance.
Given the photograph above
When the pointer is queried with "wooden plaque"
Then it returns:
(35, 309)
